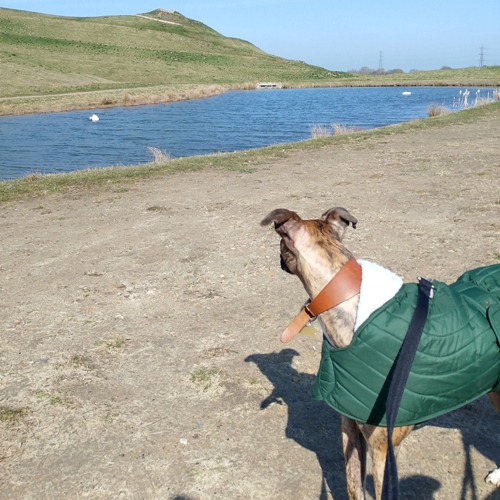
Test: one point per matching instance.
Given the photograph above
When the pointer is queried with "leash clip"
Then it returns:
(426, 286)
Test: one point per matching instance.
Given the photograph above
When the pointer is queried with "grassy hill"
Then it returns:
(50, 54)
(62, 63)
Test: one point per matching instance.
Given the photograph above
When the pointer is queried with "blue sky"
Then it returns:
(337, 35)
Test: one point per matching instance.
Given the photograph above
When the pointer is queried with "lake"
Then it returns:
(237, 120)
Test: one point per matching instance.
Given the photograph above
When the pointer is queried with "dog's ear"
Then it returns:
(285, 221)
(339, 219)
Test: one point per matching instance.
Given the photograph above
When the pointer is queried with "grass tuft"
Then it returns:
(205, 377)
(11, 415)
(160, 156)
(340, 129)
(335, 129)
(320, 132)
(114, 343)
(82, 361)
(52, 399)
(437, 110)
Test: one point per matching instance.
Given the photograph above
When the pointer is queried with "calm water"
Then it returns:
(62, 142)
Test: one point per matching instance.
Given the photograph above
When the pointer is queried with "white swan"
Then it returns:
(406, 93)
(94, 118)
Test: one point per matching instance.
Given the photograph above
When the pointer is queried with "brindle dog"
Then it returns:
(313, 251)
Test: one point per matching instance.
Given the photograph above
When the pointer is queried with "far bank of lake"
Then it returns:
(233, 121)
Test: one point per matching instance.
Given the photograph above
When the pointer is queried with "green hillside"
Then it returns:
(43, 53)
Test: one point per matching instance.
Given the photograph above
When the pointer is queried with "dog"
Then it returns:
(313, 251)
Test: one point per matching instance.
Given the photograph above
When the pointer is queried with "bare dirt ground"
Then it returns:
(139, 345)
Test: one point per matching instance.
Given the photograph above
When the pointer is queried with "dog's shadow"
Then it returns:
(479, 425)
(313, 425)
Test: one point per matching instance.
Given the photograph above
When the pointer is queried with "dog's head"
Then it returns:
(312, 249)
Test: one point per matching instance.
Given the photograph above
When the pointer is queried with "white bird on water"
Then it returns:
(406, 93)
(94, 118)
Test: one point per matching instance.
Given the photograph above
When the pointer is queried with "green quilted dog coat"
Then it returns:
(457, 361)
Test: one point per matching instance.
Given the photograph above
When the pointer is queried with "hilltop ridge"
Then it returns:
(43, 53)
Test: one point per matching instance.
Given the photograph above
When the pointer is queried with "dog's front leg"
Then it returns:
(354, 446)
(376, 437)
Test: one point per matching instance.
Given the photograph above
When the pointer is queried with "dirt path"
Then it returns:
(140, 355)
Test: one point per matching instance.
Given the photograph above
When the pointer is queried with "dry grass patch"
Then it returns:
(340, 129)
(10, 415)
(322, 131)
(437, 110)
(206, 377)
(82, 361)
(160, 156)
(117, 343)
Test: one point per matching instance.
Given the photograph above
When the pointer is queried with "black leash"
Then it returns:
(402, 367)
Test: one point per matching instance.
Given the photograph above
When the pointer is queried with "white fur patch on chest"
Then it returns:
(378, 285)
